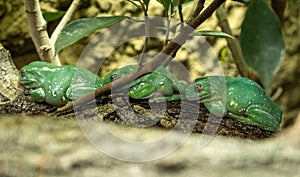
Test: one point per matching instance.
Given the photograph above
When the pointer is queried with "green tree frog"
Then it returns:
(237, 97)
(159, 82)
(57, 85)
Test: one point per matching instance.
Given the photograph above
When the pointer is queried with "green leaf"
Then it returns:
(146, 2)
(51, 16)
(224, 54)
(80, 28)
(165, 3)
(212, 33)
(261, 41)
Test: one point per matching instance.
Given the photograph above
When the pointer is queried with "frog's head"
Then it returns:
(205, 89)
(118, 73)
(33, 75)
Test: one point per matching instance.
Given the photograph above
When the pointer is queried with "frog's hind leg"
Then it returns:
(259, 116)
(243, 119)
(74, 92)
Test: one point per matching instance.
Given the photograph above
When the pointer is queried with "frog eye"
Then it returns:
(22, 73)
(113, 77)
(197, 88)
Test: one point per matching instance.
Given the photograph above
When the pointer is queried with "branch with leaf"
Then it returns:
(257, 56)
(162, 57)
(38, 29)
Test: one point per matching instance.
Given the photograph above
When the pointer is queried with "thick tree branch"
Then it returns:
(38, 31)
(160, 58)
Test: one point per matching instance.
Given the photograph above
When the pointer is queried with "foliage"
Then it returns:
(261, 41)
(51, 16)
(212, 33)
(80, 28)
(165, 3)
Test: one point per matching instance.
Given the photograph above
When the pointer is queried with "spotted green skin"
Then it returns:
(237, 97)
(118, 73)
(57, 85)
(159, 82)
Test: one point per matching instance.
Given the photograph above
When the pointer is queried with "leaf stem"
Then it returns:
(145, 47)
(168, 20)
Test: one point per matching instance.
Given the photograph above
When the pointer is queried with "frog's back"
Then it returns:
(244, 92)
(79, 74)
(41, 64)
(243, 86)
(65, 77)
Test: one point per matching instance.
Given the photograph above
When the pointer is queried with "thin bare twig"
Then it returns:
(180, 12)
(172, 46)
(168, 15)
(145, 47)
(38, 31)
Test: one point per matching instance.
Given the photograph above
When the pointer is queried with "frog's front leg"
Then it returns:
(216, 107)
(37, 94)
(259, 116)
